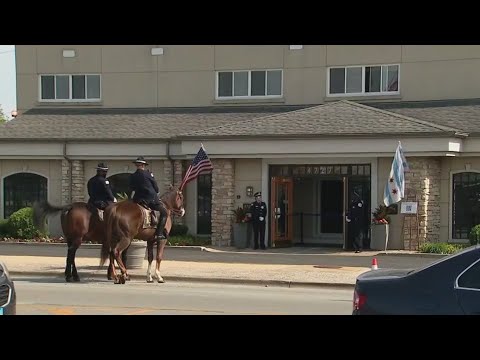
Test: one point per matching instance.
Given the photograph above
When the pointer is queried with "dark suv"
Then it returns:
(8, 297)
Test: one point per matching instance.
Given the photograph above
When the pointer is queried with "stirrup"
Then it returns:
(159, 237)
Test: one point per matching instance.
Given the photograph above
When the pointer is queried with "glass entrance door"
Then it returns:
(281, 211)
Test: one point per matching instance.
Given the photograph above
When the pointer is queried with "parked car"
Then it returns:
(449, 286)
(8, 296)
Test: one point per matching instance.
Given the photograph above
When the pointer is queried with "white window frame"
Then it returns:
(248, 96)
(460, 275)
(70, 99)
(363, 93)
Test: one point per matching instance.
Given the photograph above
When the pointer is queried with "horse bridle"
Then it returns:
(177, 212)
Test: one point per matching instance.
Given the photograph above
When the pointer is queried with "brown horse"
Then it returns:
(124, 221)
(80, 222)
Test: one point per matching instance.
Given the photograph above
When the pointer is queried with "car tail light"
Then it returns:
(358, 300)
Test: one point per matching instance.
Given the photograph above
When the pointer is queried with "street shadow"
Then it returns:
(59, 279)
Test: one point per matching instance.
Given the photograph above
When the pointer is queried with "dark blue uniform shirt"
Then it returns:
(145, 186)
(258, 210)
(99, 189)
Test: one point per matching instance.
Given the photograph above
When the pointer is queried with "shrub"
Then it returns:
(20, 225)
(440, 248)
(188, 240)
(4, 228)
(474, 235)
(179, 230)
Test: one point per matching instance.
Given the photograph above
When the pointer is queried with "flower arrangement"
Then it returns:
(241, 215)
(381, 215)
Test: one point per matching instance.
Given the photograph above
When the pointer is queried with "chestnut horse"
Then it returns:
(80, 223)
(124, 222)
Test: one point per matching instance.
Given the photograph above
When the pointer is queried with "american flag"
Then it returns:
(201, 163)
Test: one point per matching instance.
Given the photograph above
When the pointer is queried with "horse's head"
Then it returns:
(173, 199)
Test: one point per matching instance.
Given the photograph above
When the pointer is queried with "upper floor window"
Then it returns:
(364, 80)
(70, 88)
(249, 83)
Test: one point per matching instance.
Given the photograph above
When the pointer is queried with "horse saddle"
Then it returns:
(150, 217)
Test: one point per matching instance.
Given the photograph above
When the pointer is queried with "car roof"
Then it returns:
(461, 253)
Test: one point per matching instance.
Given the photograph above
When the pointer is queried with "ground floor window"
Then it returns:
(21, 190)
(204, 204)
(120, 184)
(466, 203)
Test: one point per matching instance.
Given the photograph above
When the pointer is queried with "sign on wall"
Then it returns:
(409, 207)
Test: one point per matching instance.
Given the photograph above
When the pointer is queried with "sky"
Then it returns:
(8, 101)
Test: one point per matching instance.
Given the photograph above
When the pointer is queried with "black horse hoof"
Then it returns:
(76, 279)
(68, 279)
(109, 277)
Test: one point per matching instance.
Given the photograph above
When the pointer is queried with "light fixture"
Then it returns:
(157, 51)
(296, 47)
(249, 191)
(68, 53)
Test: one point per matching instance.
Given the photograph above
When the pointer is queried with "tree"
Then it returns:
(3, 117)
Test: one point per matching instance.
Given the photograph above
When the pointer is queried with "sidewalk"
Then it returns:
(265, 274)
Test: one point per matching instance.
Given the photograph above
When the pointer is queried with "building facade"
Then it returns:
(308, 125)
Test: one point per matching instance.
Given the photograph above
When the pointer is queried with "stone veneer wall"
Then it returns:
(223, 201)
(424, 178)
(167, 177)
(78, 181)
(177, 180)
(173, 179)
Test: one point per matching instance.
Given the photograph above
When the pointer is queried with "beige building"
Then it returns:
(305, 124)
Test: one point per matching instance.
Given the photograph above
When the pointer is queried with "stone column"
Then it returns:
(223, 191)
(167, 178)
(177, 180)
(424, 178)
(77, 181)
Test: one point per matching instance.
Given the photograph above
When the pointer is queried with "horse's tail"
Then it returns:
(107, 243)
(42, 209)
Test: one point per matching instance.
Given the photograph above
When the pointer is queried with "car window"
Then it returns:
(471, 278)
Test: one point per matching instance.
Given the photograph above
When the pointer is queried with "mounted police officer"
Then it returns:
(258, 209)
(143, 183)
(99, 189)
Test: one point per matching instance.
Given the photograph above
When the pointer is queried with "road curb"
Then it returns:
(420, 255)
(170, 247)
(278, 283)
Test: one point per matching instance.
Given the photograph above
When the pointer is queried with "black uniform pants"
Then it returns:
(259, 232)
(102, 205)
(357, 235)
(158, 206)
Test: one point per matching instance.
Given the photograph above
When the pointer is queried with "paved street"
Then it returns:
(47, 295)
(290, 256)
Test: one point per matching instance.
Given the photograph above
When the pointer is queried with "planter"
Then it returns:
(136, 254)
(377, 237)
(240, 235)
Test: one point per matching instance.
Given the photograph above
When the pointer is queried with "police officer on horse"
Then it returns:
(143, 183)
(99, 189)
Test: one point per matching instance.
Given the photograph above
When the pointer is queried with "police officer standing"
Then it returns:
(143, 183)
(258, 209)
(99, 189)
(355, 220)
